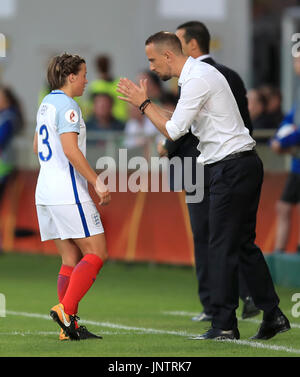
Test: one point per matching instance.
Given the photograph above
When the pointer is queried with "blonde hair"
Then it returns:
(60, 67)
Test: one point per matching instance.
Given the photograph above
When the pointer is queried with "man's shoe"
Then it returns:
(249, 309)
(202, 317)
(218, 334)
(268, 329)
(65, 321)
(83, 333)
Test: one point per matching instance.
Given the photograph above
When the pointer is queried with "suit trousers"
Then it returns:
(234, 192)
(198, 213)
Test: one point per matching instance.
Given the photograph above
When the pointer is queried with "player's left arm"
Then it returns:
(69, 141)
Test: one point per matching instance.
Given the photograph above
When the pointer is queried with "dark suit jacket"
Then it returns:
(187, 144)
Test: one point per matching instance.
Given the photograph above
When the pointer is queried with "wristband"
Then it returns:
(143, 106)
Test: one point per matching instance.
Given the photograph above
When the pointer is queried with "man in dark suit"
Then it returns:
(195, 41)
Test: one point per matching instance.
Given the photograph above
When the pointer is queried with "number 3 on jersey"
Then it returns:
(45, 134)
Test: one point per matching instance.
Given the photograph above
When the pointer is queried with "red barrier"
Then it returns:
(141, 226)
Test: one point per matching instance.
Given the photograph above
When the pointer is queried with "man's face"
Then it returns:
(185, 47)
(158, 62)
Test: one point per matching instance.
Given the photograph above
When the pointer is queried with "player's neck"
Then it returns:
(67, 91)
(179, 65)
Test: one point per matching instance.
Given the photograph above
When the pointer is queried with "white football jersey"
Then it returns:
(58, 182)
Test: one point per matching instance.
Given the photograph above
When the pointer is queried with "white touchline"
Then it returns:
(25, 333)
(192, 314)
(106, 324)
(265, 346)
(156, 331)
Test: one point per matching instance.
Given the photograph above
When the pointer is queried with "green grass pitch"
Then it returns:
(141, 310)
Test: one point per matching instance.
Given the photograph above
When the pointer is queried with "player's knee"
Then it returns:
(102, 254)
(71, 259)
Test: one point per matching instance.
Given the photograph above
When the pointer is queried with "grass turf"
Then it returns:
(130, 305)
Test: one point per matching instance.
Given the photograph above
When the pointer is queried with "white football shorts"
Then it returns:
(68, 221)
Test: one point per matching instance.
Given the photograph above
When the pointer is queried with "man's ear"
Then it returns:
(168, 55)
(193, 44)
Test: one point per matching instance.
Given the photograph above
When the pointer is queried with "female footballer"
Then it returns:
(66, 212)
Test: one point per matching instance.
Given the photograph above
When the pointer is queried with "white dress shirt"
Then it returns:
(208, 106)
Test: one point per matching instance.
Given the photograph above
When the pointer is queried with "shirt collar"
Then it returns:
(202, 57)
(185, 69)
(56, 91)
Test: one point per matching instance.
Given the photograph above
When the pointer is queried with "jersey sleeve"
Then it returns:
(289, 117)
(291, 140)
(68, 118)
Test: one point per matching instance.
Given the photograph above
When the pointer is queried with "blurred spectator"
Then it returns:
(106, 83)
(287, 140)
(11, 121)
(102, 118)
(274, 102)
(169, 101)
(154, 85)
(139, 131)
(45, 89)
(257, 104)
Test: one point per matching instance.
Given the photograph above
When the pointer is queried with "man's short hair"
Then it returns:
(166, 38)
(196, 30)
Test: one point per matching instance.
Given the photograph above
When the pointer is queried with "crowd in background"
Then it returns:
(104, 113)
(103, 110)
(11, 123)
(265, 107)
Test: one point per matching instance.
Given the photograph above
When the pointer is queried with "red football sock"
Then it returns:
(63, 280)
(81, 280)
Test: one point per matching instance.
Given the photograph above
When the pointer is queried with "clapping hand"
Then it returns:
(133, 93)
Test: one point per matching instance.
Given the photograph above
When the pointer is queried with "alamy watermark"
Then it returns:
(296, 47)
(2, 305)
(296, 307)
(2, 46)
(176, 175)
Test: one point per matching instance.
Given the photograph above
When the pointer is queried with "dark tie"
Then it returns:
(179, 90)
